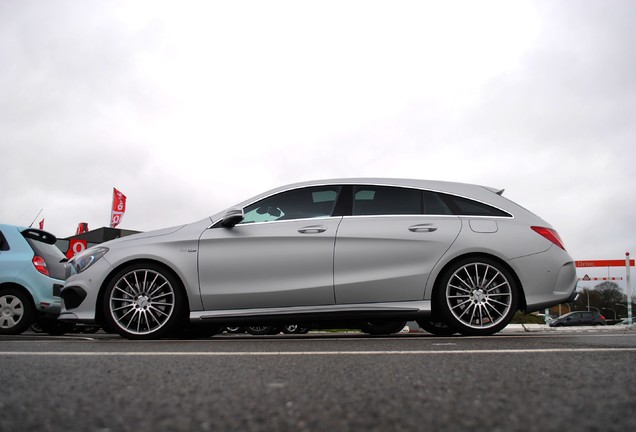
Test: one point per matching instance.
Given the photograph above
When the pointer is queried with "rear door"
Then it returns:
(387, 248)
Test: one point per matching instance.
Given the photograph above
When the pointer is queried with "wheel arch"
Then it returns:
(99, 311)
(22, 289)
(521, 305)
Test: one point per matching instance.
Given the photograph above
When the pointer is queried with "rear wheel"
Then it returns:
(16, 311)
(477, 296)
(144, 301)
(380, 327)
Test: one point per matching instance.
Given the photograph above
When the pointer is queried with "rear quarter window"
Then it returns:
(4, 244)
(466, 207)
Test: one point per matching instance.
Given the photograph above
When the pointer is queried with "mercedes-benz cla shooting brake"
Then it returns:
(361, 253)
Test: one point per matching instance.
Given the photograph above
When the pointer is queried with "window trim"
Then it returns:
(344, 210)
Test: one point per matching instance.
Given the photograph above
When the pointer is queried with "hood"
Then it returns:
(144, 235)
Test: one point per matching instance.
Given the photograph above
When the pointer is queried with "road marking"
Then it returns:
(310, 353)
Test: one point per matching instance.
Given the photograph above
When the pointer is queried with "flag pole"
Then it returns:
(112, 205)
(35, 218)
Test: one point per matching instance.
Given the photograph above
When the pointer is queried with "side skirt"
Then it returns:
(380, 311)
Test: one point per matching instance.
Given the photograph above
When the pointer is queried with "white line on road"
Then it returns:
(311, 353)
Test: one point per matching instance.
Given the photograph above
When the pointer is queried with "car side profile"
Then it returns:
(31, 277)
(362, 253)
(579, 318)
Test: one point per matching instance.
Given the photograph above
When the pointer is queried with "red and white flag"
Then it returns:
(82, 227)
(118, 209)
(42, 224)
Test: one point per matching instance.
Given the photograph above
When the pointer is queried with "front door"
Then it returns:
(281, 255)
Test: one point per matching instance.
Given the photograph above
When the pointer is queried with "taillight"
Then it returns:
(40, 265)
(549, 234)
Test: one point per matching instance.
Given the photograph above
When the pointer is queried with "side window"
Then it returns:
(4, 245)
(434, 205)
(385, 200)
(303, 203)
(467, 207)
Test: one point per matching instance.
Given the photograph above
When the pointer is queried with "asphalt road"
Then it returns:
(562, 381)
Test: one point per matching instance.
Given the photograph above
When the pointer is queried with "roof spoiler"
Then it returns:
(494, 190)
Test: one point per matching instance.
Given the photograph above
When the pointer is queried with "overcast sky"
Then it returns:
(189, 107)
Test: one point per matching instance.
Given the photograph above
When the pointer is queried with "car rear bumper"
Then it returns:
(547, 278)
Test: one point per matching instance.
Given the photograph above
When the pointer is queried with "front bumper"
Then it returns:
(80, 293)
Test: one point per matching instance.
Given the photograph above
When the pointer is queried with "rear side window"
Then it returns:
(467, 207)
(4, 244)
(385, 200)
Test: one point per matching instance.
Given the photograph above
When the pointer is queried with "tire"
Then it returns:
(234, 330)
(16, 311)
(378, 327)
(88, 329)
(35, 328)
(294, 329)
(261, 330)
(437, 328)
(477, 296)
(144, 301)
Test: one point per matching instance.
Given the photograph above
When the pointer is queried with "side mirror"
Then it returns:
(232, 218)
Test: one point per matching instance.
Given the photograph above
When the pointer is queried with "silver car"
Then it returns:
(360, 253)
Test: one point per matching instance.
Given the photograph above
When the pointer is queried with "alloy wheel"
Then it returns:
(142, 301)
(479, 296)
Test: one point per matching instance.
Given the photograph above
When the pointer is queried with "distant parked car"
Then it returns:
(580, 318)
(31, 278)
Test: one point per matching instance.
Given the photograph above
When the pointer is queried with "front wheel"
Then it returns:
(16, 311)
(144, 301)
(477, 296)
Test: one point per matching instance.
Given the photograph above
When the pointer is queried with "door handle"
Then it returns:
(423, 228)
(312, 229)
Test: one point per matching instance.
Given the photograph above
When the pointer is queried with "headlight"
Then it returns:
(86, 259)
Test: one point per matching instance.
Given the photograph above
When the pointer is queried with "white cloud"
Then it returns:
(190, 107)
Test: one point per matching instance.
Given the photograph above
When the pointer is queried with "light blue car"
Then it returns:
(31, 277)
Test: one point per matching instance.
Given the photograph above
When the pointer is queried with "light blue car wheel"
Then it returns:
(16, 311)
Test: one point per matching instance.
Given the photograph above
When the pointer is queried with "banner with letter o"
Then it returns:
(75, 246)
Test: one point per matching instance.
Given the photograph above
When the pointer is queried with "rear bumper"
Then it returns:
(547, 278)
